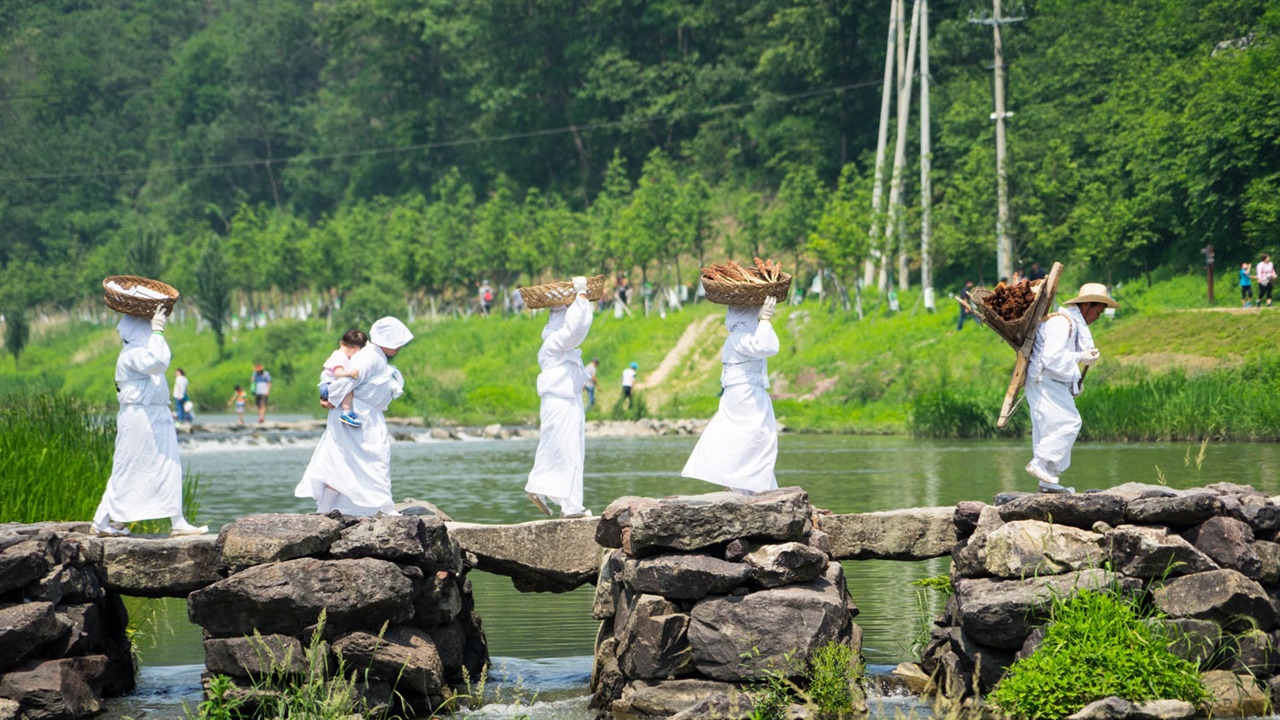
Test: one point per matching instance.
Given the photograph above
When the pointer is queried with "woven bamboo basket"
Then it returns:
(744, 293)
(139, 306)
(1014, 332)
(559, 293)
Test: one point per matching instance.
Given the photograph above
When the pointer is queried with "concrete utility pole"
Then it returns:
(893, 226)
(926, 189)
(1004, 244)
(877, 190)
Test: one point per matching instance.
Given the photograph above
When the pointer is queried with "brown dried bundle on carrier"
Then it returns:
(559, 293)
(1015, 312)
(728, 283)
(133, 295)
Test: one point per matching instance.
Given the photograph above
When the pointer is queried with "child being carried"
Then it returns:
(338, 366)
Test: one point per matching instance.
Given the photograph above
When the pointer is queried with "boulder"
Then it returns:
(259, 539)
(734, 705)
(539, 556)
(1131, 491)
(398, 538)
(1223, 596)
(1182, 511)
(1165, 710)
(1229, 542)
(645, 526)
(23, 562)
(603, 606)
(62, 689)
(1269, 558)
(1027, 548)
(653, 638)
(10, 709)
(25, 628)
(1195, 641)
(1234, 695)
(1153, 552)
(968, 556)
(786, 563)
(161, 567)
(1252, 652)
(422, 508)
(254, 656)
(644, 697)
(910, 534)
(1108, 708)
(1079, 511)
(683, 576)
(1264, 518)
(287, 597)
(85, 631)
(770, 625)
(1001, 613)
(404, 656)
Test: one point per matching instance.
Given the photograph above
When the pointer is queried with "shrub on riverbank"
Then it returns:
(1095, 646)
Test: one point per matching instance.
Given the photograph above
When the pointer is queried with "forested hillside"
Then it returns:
(382, 151)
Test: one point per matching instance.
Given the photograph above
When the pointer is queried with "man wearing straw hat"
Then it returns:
(1063, 345)
(557, 466)
(146, 472)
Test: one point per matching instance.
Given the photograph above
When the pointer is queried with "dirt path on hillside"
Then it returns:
(677, 354)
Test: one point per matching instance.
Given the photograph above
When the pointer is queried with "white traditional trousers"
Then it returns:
(1055, 423)
(739, 448)
(557, 466)
(146, 471)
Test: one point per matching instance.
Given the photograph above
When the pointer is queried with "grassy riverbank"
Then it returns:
(1172, 368)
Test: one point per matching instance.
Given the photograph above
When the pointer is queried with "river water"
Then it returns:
(543, 642)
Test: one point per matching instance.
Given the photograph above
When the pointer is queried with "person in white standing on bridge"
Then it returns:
(740, 445)
(350, 470)
(557, 466)
(1063, 344)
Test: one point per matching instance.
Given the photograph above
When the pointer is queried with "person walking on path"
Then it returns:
(146, 471)
(591, 369)
(1246, 286)
(628, 382)
(180, 396)
(239, 399)
(350, 470)
(261, 384)
(965, 314)
(1063, 344)
(557, 466)
(739, 448)
(1266, 278)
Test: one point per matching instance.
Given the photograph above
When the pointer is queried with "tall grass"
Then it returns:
(56, 452)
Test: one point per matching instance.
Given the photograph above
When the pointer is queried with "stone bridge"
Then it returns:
(538, 556)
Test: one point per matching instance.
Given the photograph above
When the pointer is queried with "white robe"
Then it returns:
(739, 448)
(146, 471)
(350, 470)
(558, 463)
(1053, 381)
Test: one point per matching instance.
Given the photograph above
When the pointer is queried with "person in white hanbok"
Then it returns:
(1063, 344)
(146, 472)
(740, 445)
(557, 466)
(350, 470)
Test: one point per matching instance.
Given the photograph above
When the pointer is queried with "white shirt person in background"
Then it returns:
(739, 448)
(557, 466)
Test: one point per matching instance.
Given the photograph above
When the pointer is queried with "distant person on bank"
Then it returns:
(261, 384)
(146, 472)
(1063, 345)
(181, 396)
(739, 448)
(350, 470)
(1266, 278)
(557, 466)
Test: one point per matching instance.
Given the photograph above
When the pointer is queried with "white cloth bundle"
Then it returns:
(141, 291)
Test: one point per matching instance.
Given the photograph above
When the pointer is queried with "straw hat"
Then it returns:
(1092, 293)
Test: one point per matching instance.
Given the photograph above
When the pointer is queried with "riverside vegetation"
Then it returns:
(1167, 374)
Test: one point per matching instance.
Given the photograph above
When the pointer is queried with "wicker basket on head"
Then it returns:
(133, 305)
(743, 293)
(559, 293)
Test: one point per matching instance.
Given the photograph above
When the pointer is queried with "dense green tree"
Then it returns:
(17, 329)
(213, 290)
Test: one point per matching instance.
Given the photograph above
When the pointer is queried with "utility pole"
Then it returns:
(926, 202)
(877, 190)
(1004, 245)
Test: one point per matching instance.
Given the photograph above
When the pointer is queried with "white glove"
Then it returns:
(579, 285)
(766, 310)
(159, 319)
(1088, 357)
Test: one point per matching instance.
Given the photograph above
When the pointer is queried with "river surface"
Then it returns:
(542, 643)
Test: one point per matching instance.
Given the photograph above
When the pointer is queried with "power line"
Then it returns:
(321, 157)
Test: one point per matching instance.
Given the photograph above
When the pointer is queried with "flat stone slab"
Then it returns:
(645, 526)
(911, 534)
(539, 556)
(161, 567)
(259, 539)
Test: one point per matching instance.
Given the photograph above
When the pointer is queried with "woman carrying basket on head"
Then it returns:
(557, 466)
(740, 445)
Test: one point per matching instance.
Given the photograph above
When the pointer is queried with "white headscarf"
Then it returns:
(134, 330)
(742, 317)
(555, 321)
(389, 333)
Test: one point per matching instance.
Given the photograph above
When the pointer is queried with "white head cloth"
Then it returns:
(555, 320)
(134, 330)
(742, 317)
(389, 333)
